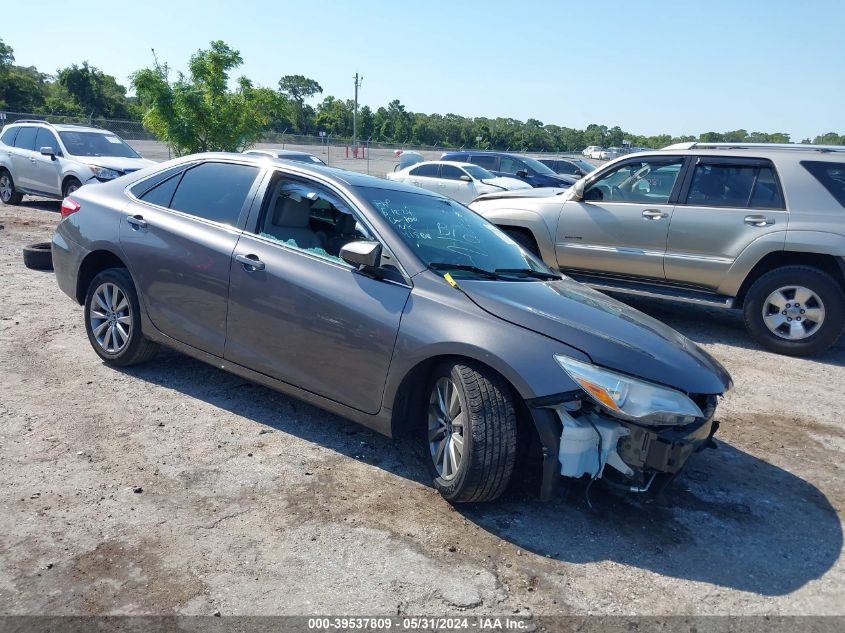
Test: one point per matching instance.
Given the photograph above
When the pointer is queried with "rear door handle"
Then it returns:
(654, 214)
(250, 262)
(758, 220)
(137, 222)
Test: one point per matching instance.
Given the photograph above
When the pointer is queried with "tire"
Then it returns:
(525, 239)
(483, 403)
(71, 185)
(131, 347)
(38, 256)
(822, 297)
(8, 193)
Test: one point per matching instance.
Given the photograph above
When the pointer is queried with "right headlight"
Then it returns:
(630, 398)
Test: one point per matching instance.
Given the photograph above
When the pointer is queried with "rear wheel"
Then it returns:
(113, 320)
(470, 433)
(8, 193)
(795, 310)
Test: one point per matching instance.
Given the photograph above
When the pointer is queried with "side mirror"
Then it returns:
(578, 188)
(363, 253)
(522, 174)
(48, 151)
(466, 178)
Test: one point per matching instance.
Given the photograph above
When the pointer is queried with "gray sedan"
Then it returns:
(394, 307)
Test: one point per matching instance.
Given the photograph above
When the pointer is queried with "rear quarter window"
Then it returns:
(8, 137)
(830, 175)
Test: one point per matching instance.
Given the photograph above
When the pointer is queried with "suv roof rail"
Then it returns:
(800, 147)
(30, 121)
(45, 122)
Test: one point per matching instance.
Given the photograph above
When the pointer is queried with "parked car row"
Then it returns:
(597, 152)
(463, 182)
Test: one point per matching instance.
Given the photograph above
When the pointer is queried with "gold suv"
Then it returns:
(755, 227)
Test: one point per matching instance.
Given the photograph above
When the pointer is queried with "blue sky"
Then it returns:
(649, 66)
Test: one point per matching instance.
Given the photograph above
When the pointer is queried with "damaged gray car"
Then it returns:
(392, 306)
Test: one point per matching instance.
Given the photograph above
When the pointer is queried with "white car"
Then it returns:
(590, 149)
(463, 182)
(611, 152)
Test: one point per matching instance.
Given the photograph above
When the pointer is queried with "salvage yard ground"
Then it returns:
(176, 487)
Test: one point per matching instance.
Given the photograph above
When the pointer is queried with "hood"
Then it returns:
(611, 333)
(125, 165)
(507, 183)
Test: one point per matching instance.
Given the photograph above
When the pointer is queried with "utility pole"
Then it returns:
(358, 82)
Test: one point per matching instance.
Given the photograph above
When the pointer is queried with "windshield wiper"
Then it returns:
(530, 272)
(472, 269)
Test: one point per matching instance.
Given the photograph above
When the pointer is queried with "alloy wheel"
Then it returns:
(446, 424)
(5, 188)
(793, 312)
(111, 318)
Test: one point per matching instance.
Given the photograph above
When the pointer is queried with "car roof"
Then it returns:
(452, 163)
(484, 151)
(279, 152)
(342, 176)
(61, 127)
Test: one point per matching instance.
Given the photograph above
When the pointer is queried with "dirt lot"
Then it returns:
(176, 488)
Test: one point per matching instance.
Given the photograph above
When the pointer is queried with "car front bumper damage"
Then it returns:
(579, 441)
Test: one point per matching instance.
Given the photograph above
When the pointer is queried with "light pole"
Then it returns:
(358, 82)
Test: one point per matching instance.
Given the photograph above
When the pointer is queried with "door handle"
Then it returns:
(250, 262)
(758, 220)
(137, 222)
(654, 214)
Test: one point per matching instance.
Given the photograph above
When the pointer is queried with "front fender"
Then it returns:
(438, 326)
(526, 219)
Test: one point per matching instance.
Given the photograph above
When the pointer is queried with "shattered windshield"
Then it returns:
(447, 236)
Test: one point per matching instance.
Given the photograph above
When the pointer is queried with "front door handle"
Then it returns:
(137, 222)
(758, 220)
(654, 214)
(250, 262)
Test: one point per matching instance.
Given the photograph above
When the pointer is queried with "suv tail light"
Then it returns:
(69, 205)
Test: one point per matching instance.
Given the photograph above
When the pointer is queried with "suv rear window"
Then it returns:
(724, 185)
(8, 137)
(830, 175)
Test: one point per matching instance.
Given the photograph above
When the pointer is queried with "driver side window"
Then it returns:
(309, 217)
(644, 181)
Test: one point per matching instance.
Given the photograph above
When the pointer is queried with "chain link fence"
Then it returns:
(370, 156)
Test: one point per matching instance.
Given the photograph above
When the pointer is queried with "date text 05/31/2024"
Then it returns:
(487, 623)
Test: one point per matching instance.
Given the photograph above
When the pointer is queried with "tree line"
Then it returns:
(200, 111)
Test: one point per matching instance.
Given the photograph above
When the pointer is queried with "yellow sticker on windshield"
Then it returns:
(451, 281)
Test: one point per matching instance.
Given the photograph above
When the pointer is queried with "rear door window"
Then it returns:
(427, 171)
(215, 191)
(511, 166)
(26, 138)
(564, 167)
(485, 160)
(830, 175)
(743, 186)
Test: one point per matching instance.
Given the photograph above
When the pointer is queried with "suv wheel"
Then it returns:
(8, 193)
(71, 185)
(470, 433)
(113, 319)
(795, 310)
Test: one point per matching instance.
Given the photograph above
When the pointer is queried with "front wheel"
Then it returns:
(113, 320)
(470, 432)
(795, 310)
(71, 185)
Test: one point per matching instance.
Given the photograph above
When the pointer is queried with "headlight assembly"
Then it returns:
(103, 173)
(630, 398)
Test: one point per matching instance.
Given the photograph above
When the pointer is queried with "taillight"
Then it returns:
(69, 205)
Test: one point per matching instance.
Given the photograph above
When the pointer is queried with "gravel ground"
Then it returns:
(174, 487)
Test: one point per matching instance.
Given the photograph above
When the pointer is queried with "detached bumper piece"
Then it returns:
(626, 455)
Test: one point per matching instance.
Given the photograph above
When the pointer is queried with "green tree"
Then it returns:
(198, 112)
(93, 93)
(298, 88)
